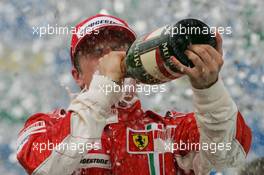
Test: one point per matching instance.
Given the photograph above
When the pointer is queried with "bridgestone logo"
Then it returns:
(96, 22)
(101, 22)
(89, 161)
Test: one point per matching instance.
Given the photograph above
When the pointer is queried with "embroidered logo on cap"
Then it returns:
(97, 22)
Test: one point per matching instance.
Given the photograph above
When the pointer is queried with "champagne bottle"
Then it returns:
(148, 59)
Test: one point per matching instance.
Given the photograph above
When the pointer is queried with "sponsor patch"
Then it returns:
(153, 139)
(95, 160)
(139, 141)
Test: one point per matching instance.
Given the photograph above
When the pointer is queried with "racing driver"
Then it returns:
(110, 133)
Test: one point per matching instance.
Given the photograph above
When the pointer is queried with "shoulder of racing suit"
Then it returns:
(29, 141)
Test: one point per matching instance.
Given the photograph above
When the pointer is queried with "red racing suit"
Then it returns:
(92, 138)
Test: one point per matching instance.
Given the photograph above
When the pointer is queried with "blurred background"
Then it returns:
(35, 71)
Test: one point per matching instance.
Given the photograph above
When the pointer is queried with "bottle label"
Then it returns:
(147, 57)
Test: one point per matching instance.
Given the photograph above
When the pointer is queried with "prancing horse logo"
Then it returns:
(140, 140)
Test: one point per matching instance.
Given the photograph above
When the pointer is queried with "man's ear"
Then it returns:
(77, 76)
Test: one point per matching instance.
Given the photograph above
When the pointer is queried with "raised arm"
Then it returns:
(220, 122)
(217, 117)
(55, 143)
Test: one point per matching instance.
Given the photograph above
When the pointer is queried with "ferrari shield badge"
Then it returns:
(140, 141)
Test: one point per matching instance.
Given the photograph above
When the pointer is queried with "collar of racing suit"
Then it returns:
(129, 112)
(134, 111)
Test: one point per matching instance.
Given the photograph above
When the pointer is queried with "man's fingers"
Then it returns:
(196, 59)
(219, 42)
(215, 56)
(201, 51)
(182, 68)
(210, 56)
(111, 65)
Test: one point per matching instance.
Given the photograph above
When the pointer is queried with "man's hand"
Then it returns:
(110, 65)
(207, 63)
